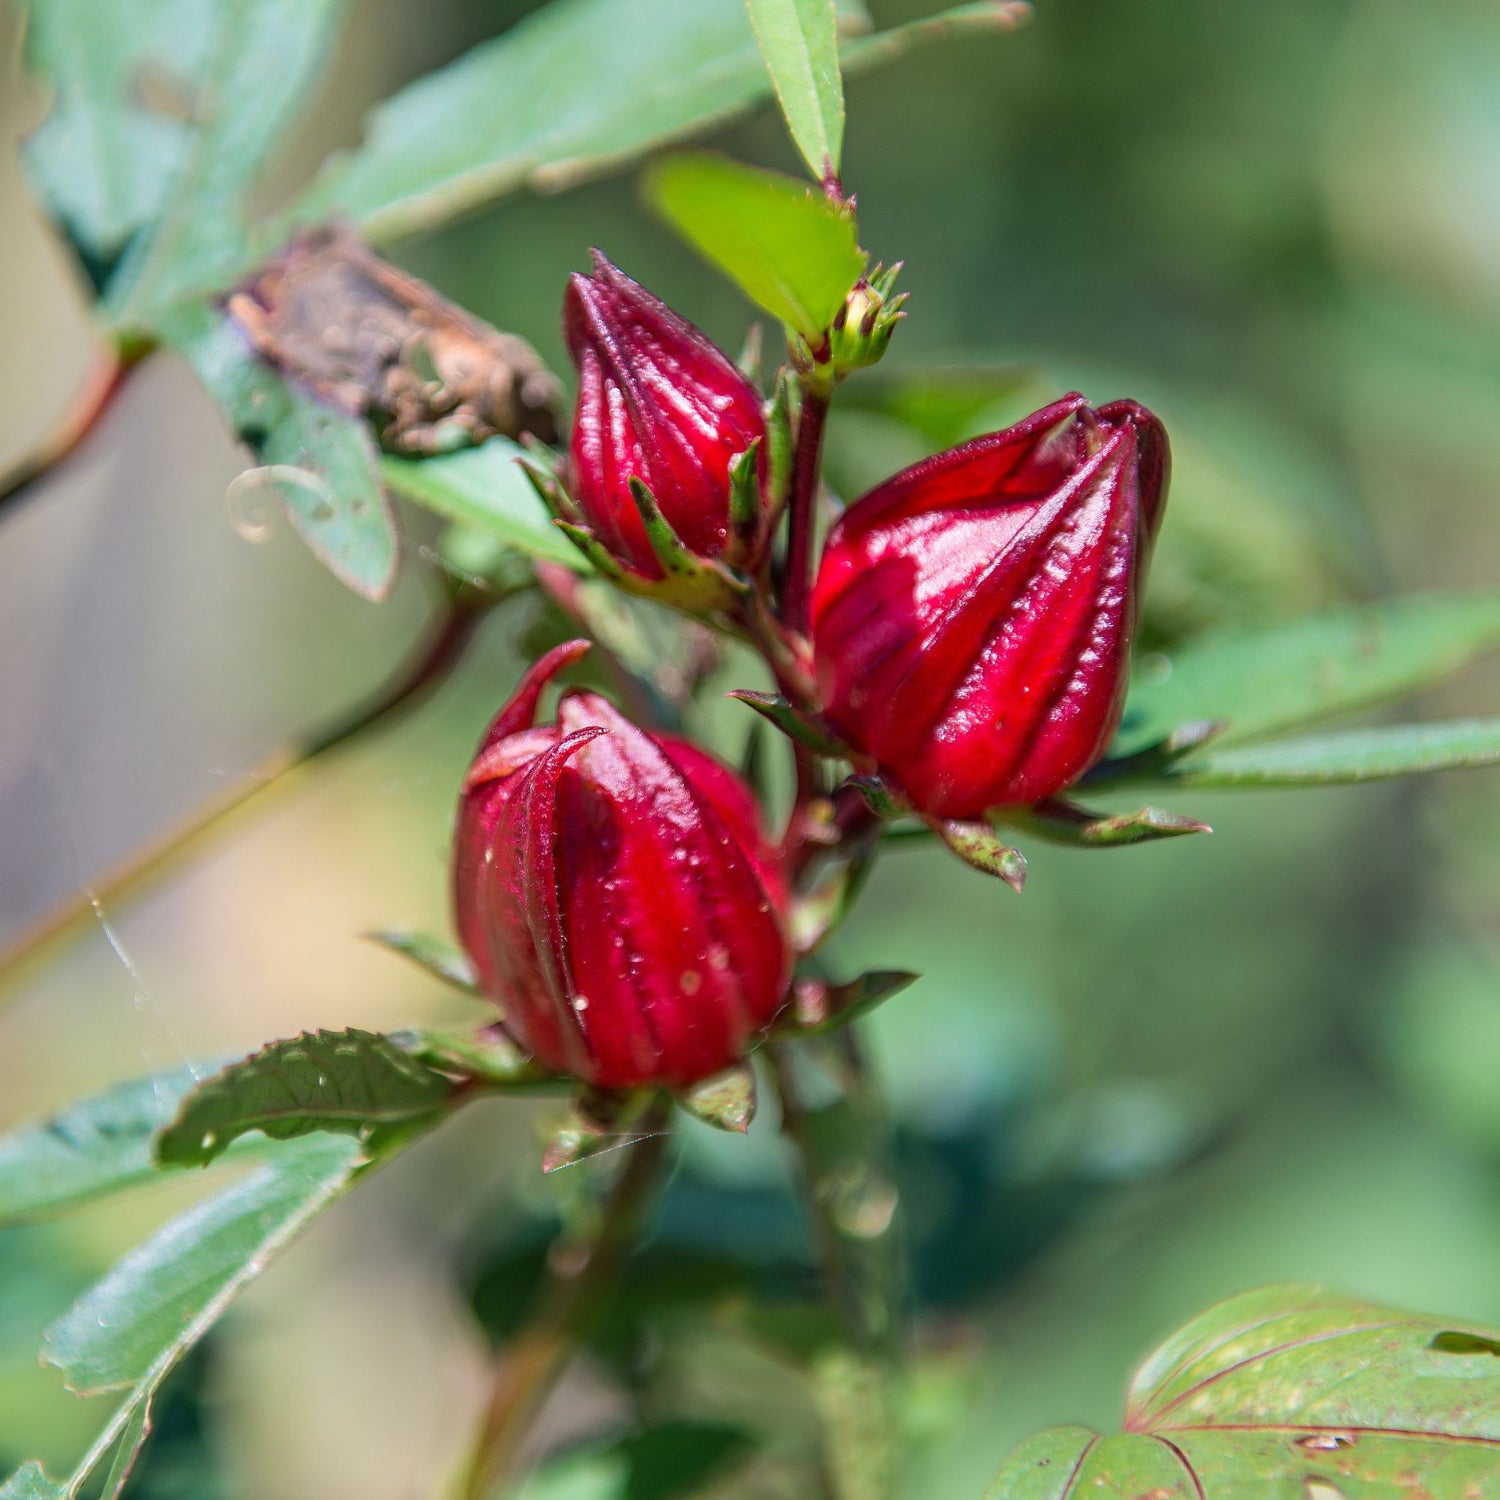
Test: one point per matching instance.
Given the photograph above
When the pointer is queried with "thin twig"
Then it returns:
(433, 661)
(101, 386)
(580, 1277)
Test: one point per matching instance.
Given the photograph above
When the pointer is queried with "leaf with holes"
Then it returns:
(1291, 1393)
(1262, 681)
(799, 41)
(352, 1082)
(128, 1331)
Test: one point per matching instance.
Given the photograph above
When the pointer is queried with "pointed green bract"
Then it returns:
(799, 41)
(441, 960)
(1290, 1392)
(782, 242)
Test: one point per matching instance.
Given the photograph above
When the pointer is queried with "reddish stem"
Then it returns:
(101, 386)
(796, 586)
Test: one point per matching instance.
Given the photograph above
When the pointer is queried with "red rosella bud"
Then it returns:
(617, 894)
(973, 616)
(660, 404)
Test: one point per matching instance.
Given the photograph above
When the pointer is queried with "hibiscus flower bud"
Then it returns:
(657, 474)
(617, 894)
(973, 616)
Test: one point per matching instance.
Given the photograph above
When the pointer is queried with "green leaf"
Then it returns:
(799, 41)
(782, 242)
(99, 1146)
(128, 1331)
(1261, 682)
(1292, 1393)
(353, 1082)
(486, 488)
(164, 112)
(319, 463)
(577, 90)
(1353, 756)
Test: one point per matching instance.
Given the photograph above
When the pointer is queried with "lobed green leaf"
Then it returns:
(783, 243)
(799, 41)
(1292, 1393)
(353, 1082)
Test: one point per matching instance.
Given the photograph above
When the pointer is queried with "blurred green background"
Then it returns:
(1163, 1075)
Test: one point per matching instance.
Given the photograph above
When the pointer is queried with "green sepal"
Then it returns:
(441, 960)
(1061, 822)
(782, 415)
(795, 726)
(746, 514)
(978, 845)
(539, 464)
(821, 910)
(598, 1121)
(726, 1101)
(818, 1007)
(696, 584)
(881, 799)
(600, 558)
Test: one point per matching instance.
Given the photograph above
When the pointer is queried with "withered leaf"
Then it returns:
(377, 343)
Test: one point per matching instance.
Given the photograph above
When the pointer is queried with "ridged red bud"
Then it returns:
(617, 894)
(657, 402)
(973, 616)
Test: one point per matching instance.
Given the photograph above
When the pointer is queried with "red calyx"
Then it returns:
(657, 402)
(973, 616)
(617, 894)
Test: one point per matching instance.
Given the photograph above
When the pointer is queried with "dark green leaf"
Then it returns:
(799, 41)
(1292, 1393)
(1260, 682)
(487, 489)
(441, 960)
(354, 1082)
(785, 245)
(93, 1148)
(1353, 756)
(165, 110)
(128, 1331)
(318, 463)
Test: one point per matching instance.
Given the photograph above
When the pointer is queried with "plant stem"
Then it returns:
(102, 384)
(435, 658)
(807, 458)
(580, 1275)
(843, 1158)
